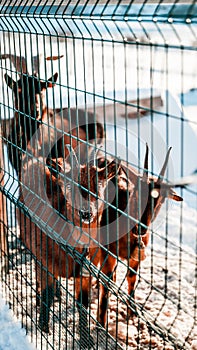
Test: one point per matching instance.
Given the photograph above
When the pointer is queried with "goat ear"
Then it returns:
(9, 81)
(109, 171)
(53, 58)
(172, 195)
(51, 82)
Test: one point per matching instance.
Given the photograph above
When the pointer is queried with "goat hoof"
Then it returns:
(38, 300)
(44, 327)
(131, 313)
(58, 293)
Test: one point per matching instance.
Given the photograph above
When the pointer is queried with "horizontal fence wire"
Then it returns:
(122, 10)
(98, 128)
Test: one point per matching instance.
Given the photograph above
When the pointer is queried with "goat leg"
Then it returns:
(131, 280)
(57, 290)
(108, 269)
(38, 292)
(47, 298)
(82, 295)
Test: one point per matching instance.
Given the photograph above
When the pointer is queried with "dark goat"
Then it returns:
(76, 192)
(29, 114)
(140, 197)
(55, 127)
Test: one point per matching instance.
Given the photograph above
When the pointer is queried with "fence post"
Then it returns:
(3, 214)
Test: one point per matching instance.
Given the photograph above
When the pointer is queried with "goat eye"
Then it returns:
(155, 193)
(68, 187)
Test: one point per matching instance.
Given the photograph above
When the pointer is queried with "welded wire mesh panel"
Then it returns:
(98, 202)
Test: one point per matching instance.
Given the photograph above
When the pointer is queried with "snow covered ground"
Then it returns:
(166, 290)
(12, 336)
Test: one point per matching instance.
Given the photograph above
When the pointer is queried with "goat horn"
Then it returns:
(73, 156)
(162, 172)
(94, 153)
(145, 172)
(19, 62)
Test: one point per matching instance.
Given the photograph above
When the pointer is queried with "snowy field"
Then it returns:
(12, 336)
(171, 259)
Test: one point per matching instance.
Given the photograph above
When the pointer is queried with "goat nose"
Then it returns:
(86, 215)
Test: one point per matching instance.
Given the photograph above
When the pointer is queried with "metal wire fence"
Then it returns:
(98, 202)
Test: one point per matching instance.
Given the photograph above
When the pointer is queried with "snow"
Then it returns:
(12, 336)
(194, 344)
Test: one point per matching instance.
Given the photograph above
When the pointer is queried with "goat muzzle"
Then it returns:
(139, 252)
(86, 216)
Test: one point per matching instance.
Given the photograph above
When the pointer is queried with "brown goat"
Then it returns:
(33, 116)
(140, 197)
(76, 192)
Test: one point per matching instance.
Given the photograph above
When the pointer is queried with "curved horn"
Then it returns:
(94, 153)
(145, 172)
(162, 172)
(73, 157)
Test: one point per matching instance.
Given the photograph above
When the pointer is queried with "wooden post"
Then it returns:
(3, 214)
